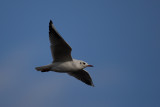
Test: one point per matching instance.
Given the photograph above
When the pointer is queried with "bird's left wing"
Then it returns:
(60, 50)
(83, 76)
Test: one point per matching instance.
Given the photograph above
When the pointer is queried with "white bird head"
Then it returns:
(84, 64)
(81, 64)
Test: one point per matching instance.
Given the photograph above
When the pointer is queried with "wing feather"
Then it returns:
(60, 50)
(83, 76)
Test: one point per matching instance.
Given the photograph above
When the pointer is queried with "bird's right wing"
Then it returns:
(60, 50)
(83, 76)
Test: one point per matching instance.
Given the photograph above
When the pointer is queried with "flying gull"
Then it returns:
(63, 61)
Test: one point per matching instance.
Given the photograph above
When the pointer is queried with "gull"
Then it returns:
(62, 59)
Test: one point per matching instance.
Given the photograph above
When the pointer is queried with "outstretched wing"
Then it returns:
(83, 76)
(60, 50)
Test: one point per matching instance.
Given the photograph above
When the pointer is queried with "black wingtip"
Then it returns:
(91, 85)
(50, 22)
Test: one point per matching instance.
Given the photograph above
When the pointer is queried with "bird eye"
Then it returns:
(84, 63)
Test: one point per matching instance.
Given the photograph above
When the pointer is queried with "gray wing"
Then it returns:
(60, 50)
(83, 76)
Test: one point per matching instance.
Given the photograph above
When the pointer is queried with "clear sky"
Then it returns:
(121, 38)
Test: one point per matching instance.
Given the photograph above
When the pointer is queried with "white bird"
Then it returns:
(63, 62)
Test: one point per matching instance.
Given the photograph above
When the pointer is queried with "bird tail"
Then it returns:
(43, 68)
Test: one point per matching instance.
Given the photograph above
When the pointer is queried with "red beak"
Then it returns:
(89, 65)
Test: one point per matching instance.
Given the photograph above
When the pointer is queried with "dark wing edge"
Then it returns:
(52, 30)
(83, 76)
(57, 43)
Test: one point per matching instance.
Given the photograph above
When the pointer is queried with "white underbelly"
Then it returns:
(64, 67)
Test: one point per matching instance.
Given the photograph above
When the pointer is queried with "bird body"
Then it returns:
(63, 61)
(62, 67)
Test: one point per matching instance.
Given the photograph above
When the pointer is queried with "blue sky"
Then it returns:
(119, 37)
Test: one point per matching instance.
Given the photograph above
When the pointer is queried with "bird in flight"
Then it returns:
(62, 59)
